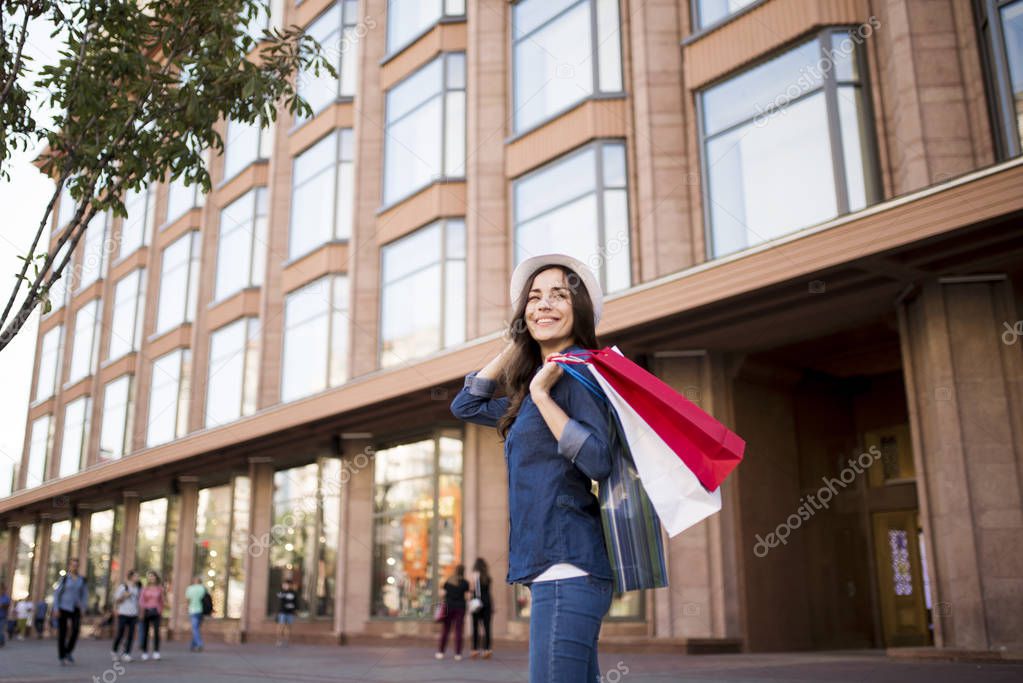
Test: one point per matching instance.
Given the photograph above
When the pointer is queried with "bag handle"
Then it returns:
(591, 385)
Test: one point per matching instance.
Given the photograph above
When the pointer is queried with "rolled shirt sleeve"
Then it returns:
(475, 402)
(584, 440)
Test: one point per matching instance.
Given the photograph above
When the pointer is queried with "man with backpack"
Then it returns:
(70, 599)
(200, 604)
(126, 604)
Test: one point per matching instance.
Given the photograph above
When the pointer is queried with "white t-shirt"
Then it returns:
(24, 609)
(561, 570)
(128, 607)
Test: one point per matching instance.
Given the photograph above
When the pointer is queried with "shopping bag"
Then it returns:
(679, 498)
(708, 448)
(632, 533)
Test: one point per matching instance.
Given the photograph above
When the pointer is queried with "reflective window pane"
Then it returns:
(315, 338)
(40, 445)
(115, 432)
(241, 247)
(126, 319)
(75, 436)
(563, 52)
(49, 362)
(578, 205)
(712, 11)
(231, 350)
(168, 397)
(137, 226)
(335, 31)
(322, 198)
(85, 342)
(178, 282)
(425, 136)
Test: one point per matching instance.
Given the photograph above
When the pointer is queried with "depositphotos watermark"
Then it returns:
(809, 504)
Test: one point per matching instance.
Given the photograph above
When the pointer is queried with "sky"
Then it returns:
(23, 199)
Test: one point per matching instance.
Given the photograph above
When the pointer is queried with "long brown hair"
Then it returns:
(522, 365)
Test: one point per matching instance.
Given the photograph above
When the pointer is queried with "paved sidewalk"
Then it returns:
(21, 662)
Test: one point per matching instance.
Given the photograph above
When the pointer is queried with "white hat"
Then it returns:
(534, 263)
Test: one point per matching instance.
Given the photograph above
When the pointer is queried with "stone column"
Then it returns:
(257, 562)
(37, 586)
(84, 531)
(129, 535)
(487, 474)
(188, 494)
(701, 600)
(964, 387)
(355, 560)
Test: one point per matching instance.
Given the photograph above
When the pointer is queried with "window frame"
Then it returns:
(336, 170)
(251, 338)
(598, 189)
(597, 93)
(58, 355)
(47, 455)
(83, 436)
(258, 209)
(92, 364)
(345, 26)
(331, 308)
(697, 28)
(1002, 113)
(126, 423)
(443, 261)
(148, 204)
(445, 89)
(192, 264)
(138, 313)
(441, 430)
(184, 390)
(391, 51)
(873, 182)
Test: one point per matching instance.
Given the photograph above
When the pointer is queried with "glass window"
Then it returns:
(233, 372)
(315, 337)
(709, 12)
(409, 19)
(417, 505)
(137, 226)
(335, 31)
(60, 547)
(221, 521)
(179, 274)
(103, 561)
(60, 290)
(786, 146)
(75, 436)
(50, 352)
(1001, 22)
(115, 432)
(24, 560)
(168, 398)
(304, 535)
(182, 198)
(85, 345)
(244, 144)
(563, 52)
(95, 249)
(157, 538)
(40, 447)
(126, 318)
(578, 205)
(241, 247)
(423, 292)
(322, 172)
(425, 136)
(65, 208)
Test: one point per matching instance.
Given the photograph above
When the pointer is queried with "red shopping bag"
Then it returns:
(708, 448)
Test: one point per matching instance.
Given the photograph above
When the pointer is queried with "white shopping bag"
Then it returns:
(676, 494)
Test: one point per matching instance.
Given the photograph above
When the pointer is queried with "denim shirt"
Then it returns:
(554, 515)
(71, 594)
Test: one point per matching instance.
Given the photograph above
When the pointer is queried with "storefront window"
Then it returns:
(417, 524)
(157, 537)
(60, 546)
(103, 560)
(304, 535)
(23, 561)
(221, 520)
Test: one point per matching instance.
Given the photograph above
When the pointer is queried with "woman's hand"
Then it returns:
(542, 381)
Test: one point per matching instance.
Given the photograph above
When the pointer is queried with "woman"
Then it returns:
(151, 603)
(555, 442)
(481, 617)
(455, 589)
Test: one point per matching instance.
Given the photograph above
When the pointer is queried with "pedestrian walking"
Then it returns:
(556, 442)
(455, 589)
(196, 596)
(69, 601)
(5, 612)
(23, 614)
(287, 605)
(39, 617)
(481, 607)
(126, 605)
(151, 602)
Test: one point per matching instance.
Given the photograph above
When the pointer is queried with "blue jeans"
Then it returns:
(196, 625)
(563, 627)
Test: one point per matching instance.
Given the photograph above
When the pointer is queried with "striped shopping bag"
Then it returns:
(632, 531)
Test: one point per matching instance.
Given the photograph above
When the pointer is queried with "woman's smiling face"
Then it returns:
(549, 306)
